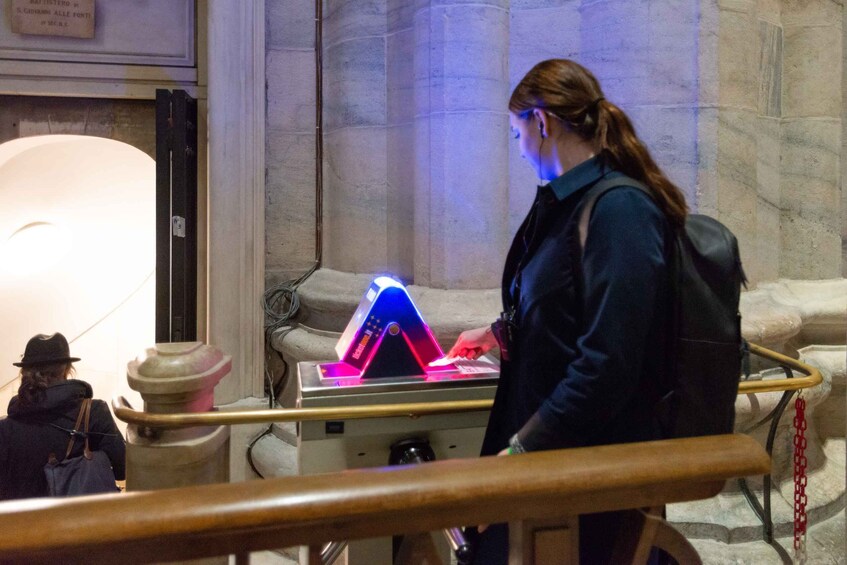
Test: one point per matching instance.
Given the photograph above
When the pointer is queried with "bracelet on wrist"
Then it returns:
(515, 446)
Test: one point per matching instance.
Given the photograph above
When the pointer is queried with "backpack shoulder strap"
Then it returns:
(594, 194)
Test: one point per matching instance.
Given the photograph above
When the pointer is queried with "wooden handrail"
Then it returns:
(413, 410)
(221, 519)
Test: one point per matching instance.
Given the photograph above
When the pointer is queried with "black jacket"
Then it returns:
(589, 337)
(27, 439)
(590, 329)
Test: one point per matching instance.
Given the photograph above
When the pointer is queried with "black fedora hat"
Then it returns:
(46, 350)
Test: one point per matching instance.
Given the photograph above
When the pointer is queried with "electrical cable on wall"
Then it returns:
(280, 304)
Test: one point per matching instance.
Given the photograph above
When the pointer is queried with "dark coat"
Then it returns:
(590, 330)
(589, 333)
(27, 439)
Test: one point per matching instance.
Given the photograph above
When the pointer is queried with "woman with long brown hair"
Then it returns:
(42, 415)
(584, 328)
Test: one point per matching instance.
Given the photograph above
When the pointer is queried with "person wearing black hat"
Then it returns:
(39, 417)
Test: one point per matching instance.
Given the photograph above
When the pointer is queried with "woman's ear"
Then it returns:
(543, 121)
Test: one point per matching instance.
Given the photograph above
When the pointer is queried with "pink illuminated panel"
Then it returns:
(386, 338)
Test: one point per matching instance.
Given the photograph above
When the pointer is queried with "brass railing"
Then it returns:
(540, 494)
(217, 418)
(788, 386)
(414, 410)
(812, 378)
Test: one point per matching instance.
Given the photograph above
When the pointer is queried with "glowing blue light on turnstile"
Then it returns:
(386, 317)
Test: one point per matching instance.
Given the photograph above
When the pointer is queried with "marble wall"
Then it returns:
(355, 112)
(461, 143)
(770, 132)
(739, 101)
(844, 145)
(290, 138)
(538, 30)
(810, 187)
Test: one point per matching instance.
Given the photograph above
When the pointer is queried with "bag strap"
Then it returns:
(84, 412)
(594, 194)
(87, 451)
(76, 427)
(588, 202)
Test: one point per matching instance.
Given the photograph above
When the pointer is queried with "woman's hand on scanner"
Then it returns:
(473, 343)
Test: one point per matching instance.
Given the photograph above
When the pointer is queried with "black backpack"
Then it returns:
(706, 347)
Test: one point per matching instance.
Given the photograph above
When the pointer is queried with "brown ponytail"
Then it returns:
(571, 93)
(35, 380)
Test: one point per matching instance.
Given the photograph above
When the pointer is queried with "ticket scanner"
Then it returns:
(387, 354)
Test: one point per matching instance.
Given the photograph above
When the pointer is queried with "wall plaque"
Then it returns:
(65, 18)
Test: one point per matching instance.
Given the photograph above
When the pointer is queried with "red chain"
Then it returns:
(800, 479)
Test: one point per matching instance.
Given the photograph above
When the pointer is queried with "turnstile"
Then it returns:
(326, 446)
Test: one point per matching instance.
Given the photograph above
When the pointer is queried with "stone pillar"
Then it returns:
(727, 137)
(811, 146)
(236, 192)
(768, 119)
(735, 199)
(769, 127)
(416, 140)
(844, 147)
(645, 56)
(355, 192)
(290, 152)
(174, 378)
(416, 168)
(461, 143)
(400, 138)
(537, 31)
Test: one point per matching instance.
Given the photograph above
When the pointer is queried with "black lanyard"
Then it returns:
(527, 237)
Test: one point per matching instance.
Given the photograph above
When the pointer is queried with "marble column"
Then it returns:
(843, 146)
(356, 194)
(644, 55)
(236, 191)
(768, 146)
(769, 126)
(810, 188)
(290, 139)
(461, 143)
(729, 55)
(538, 30)
(416, 136)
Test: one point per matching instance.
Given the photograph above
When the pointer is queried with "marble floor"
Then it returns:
(824, 546)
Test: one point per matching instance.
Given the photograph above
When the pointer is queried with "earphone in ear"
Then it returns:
(541, 129)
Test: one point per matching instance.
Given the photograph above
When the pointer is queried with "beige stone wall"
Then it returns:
(844, 145)
(774, 175)
(810, 135)
(739, 101)
(290, 139)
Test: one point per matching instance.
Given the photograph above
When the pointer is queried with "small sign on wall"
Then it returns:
(64, 18)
